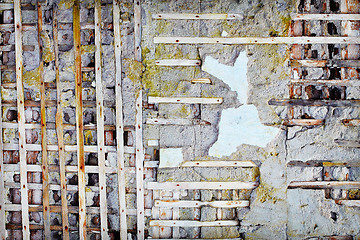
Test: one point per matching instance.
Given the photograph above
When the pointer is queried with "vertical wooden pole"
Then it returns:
(21, 120)
(79, 121)
(139, 161)
(119, 121)
(60, 132)
(100, 122)
(2, 188)
(45, 171)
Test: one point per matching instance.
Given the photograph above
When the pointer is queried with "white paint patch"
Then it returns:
(237, 125)
(170, 157)
(224, 34)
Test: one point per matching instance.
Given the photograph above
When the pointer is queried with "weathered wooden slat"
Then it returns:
(303, 122)
(10, 48)
(201, 185)
(44, 160)
(71, 209)
(139, 158)
(180, 121)
(186, 100)
(201, 80)
(10, 6)
(100, 122)
(324, 184)
(312, 102)
(325, 63)
(193, 204)
(185, 223)
(65, 126)
(59, 132)
(68, 148)
(344, 82)
(119, 122)
(313, 16)
(322, 163)
(193, 16)
(48, 27)
(347, 143)
(52, 103)
(214, 163)
(348, 203)
(257, 40)
(79, 120)
(178, 62)
(351, 122)
(21, 121)
(88, 169)
(2, 189)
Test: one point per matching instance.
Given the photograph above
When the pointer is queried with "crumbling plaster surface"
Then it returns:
(275, 212)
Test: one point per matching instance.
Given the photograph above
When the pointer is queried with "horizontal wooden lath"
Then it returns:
(193, 16)
(351, 122)
(324, 184)
(178, 62)
(201, 185)
(257, 40)
(314, 102)
(180, 121)
(194, 204)
(313, 16)
(322, 163)
(214, 163)
(349, 203)
(303, 122)
(184, 223)
(348, 143)
(188, 100)
(343, 82)
(325, 63)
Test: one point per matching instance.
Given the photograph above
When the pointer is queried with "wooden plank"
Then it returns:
(322, 163)
(327, 17)
(180, 121)
(214, 163)
(193, 204)
(347, 143)
(21, 121)
(185, 223)
(343, 82)
(324, 185)
(194, 16)
(178, 62)
(303, 122)
(325, 63)
(312, 102)
(44, 160)
(139, 158)
(3, 234)
(186, 100)
(257, 40)
(88, 169)
(100, 122)
(348, 203)
(351, 122)
(79, 121)
(71, 209)
(201, 185)
(201, 80)
(119, 122)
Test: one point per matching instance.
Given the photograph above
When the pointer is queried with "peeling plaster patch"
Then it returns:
(170, 157)
(234, 76)
(237, 125)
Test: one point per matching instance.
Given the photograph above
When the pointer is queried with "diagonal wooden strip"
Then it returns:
(139, 159)
(119, 122)
(59, 132)
(100, 122)
(79, 121)
(45, 172)
(21, 121)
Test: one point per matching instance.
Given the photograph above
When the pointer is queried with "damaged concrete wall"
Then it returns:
(243, 138)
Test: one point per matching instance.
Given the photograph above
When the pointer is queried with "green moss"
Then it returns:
(286, 21)
(48, 54)
(266, 193)
(88, 49)
(66, 4)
